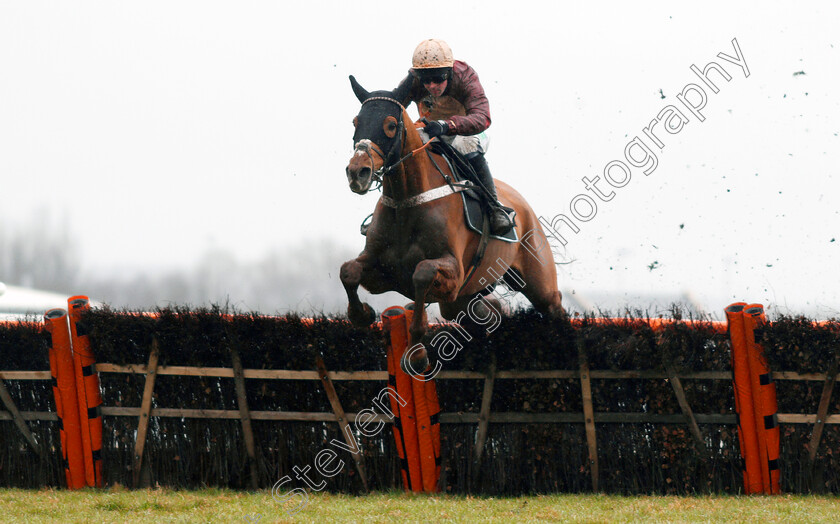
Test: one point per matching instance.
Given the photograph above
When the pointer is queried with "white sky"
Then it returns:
(161, 129)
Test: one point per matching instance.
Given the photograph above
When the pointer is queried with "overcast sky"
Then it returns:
(159, 130)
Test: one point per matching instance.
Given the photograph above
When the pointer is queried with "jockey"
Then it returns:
(451, 101)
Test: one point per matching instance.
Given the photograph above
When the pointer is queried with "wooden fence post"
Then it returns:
(245, 416)
(484, 416)
(676, 384)
(822, 414)
(344, 427)
(588, 412)
(145, 410)
(19, 422)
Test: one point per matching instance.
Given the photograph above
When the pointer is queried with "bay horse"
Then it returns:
(417, 243)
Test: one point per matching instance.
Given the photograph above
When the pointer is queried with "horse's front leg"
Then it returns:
(351, 275)
(435, 278)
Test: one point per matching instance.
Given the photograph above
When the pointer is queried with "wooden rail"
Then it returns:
(589, 417)
(279, 374)
(284, 374)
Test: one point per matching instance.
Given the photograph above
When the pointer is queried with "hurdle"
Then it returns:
(76, 393)
(417, 423)
(755, 400)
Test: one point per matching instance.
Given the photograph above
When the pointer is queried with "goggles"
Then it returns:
(432, 77)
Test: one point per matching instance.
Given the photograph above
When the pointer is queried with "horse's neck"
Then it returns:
(414, 175)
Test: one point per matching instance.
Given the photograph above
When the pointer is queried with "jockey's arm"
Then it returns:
(466, 88)
(476, 106)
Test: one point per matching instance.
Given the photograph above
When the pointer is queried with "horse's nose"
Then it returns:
(358, 172)
(359, 178)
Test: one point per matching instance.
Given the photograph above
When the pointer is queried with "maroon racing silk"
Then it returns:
(463, 105)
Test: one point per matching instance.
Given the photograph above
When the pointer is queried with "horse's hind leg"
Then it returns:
(474, 313)
(540, 277)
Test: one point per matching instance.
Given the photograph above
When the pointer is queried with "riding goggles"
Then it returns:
(432, 77)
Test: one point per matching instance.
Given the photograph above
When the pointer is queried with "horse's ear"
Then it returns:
(402, 91)
(360, 92)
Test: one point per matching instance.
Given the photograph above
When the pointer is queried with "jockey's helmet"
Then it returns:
(432, 54)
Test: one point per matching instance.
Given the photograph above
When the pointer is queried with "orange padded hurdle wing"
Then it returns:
(425, 437)
(392, 384)
(744, 407)
(393, 321)
(764, 400)
(66, 401)
(87, 388)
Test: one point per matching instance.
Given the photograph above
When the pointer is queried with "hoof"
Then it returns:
(363, 318)
(415, 362)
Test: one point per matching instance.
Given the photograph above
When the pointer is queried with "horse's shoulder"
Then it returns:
(441, 161)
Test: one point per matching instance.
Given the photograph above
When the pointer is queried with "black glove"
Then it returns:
(435, 128)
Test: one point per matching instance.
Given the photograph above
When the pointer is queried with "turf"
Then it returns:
(164, 505)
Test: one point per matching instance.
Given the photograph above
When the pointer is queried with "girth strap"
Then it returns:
(479, 254)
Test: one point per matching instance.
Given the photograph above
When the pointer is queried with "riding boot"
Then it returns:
(500, 222)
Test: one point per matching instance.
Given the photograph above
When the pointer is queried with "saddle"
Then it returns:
(476, 200)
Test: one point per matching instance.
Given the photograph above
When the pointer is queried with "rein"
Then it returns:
(366, 145)
(382, 171)
(428, 196)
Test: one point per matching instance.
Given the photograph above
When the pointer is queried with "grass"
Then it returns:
(215, 505)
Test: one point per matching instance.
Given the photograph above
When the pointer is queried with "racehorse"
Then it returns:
(417, 243)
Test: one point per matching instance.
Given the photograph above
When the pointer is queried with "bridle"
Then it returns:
(366, 145)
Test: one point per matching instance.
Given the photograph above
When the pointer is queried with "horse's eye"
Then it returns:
(356, 122)
(389, 127)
